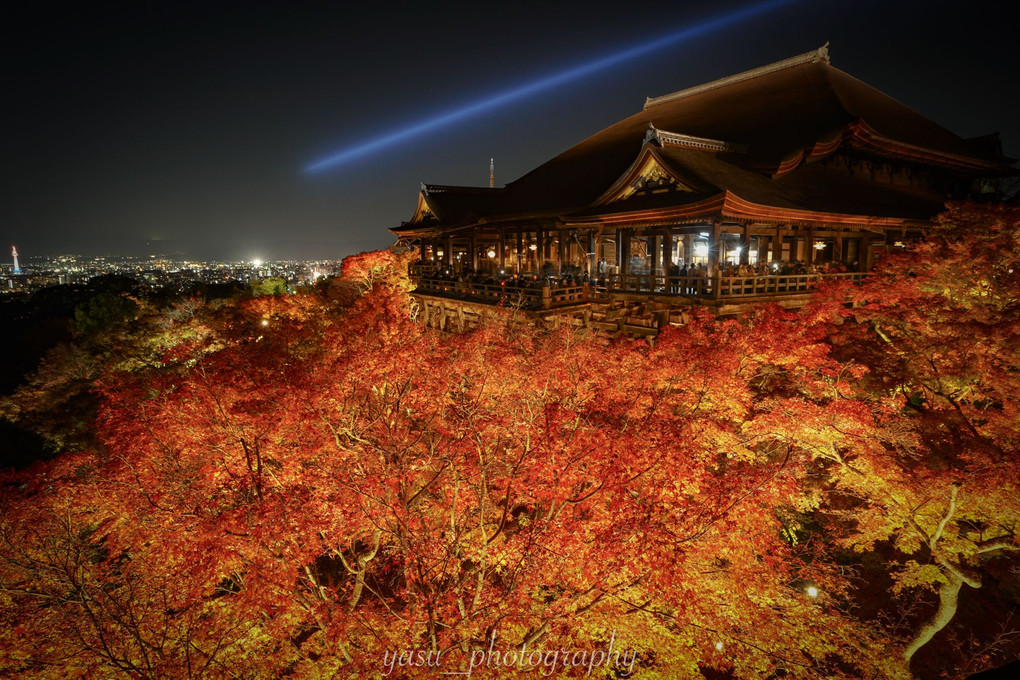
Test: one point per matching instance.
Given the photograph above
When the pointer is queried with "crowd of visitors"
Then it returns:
(512, 279)
(605, 276)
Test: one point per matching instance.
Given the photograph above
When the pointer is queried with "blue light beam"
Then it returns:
(494, 101)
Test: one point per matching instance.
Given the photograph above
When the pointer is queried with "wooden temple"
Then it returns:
(757, 186)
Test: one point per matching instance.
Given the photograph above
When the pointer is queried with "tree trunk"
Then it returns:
(949, 595)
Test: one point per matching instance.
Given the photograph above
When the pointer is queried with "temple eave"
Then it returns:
(808, 177)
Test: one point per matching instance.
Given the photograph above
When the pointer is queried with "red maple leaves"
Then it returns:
(301, 483)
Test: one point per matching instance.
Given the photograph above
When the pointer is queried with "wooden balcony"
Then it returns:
(718, 286)
(557, 294)
(522, 297)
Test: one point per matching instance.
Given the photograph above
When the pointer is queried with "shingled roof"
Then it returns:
(778, 116)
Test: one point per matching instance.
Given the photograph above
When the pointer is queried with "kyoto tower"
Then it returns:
(14, 254)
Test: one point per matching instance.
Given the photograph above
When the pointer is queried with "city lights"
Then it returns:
(160, 271)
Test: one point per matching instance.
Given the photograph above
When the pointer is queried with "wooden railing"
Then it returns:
(530, 297)
(780, 284)
(719, 286)
(690, 286)
(546, 297)
(422, 269)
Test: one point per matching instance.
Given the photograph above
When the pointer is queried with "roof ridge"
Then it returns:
(666, 138)
(821, 54)
(456, 188)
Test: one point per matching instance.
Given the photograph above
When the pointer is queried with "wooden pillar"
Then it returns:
(653, 245)
(592, 254)
(713, 248)
(448, 252)
(625, 254)
(864, 253)
(502, 249)
(667, 250)
(809, 247)
(561, 249)
(777, 246)
(540, 249)
(745, 245)
(519, 264)
(763, 249)
(837, 248)
(687, 244)
(618, 251)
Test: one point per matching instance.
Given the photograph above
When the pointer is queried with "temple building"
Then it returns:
(756, 186)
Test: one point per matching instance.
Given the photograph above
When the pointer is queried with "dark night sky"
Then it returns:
(188, 124)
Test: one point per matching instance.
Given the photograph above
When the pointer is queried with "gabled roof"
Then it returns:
(451, 204)
(651, 165)
(778, 114)
(717, 186)
(753, 134)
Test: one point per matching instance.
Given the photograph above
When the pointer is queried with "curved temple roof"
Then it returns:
(755, 135)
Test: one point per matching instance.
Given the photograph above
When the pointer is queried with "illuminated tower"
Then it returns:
(492, 173)
(14, 254)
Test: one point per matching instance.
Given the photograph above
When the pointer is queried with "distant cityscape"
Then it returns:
(155, 271)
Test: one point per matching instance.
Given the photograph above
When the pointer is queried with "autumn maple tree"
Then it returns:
(294, 485)
(936, 327)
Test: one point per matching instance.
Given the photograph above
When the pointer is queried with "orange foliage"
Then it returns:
(310, 486)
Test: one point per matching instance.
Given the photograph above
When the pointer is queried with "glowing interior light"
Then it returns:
(701, 250)
(491, 253)
(899, 244)
(819, 245)
(256, 263)
(497, 99)
(265, 322)
(812, 591)
(532, 247)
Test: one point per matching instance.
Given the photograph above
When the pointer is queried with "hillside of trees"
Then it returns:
(306, 485)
